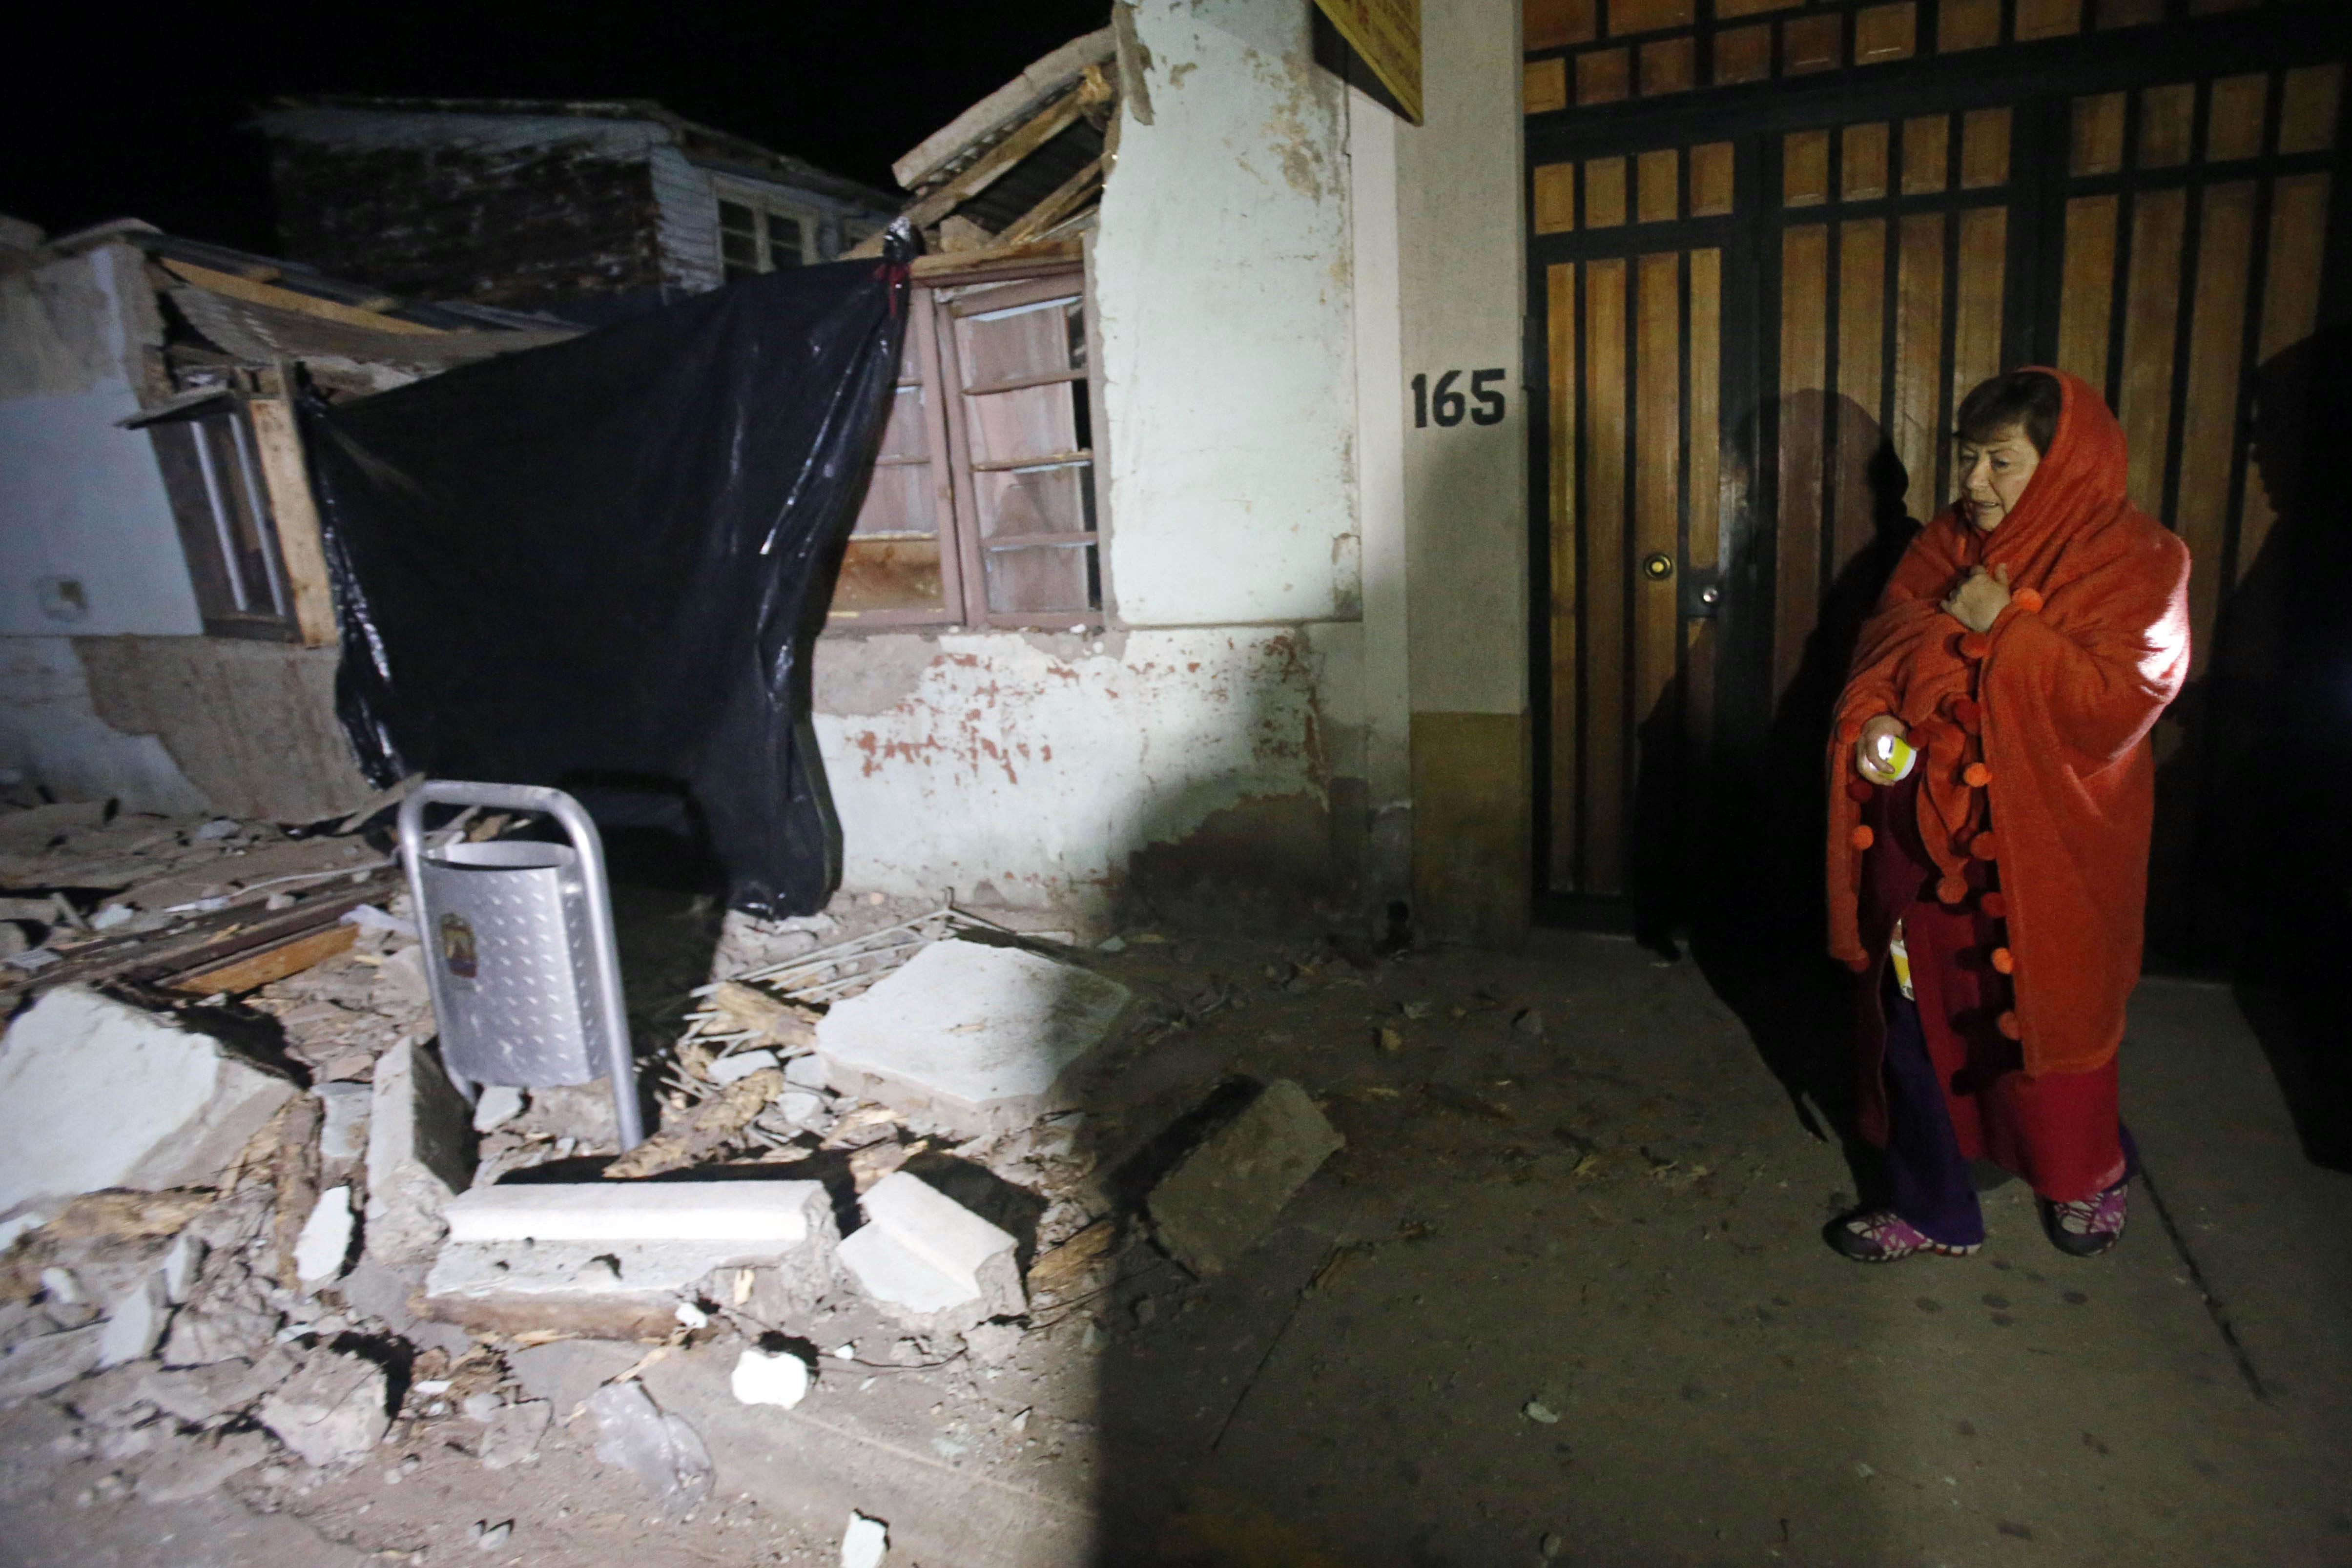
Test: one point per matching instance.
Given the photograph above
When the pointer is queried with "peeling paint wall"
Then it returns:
(1224, 298)
(1027, 769)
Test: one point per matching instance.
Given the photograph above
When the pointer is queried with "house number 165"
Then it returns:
(1448, 405)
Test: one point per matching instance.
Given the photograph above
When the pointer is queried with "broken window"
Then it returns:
(212, 477)
(757, 235)
(982, 510)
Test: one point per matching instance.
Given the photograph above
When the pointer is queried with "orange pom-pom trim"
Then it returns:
(1859, 965)
(1976, 775)
(2008, 1026)
(1861, 837)
(1975, 646)
(2028, 600)
(1860, 791)
(1995, 907)
(1967, 713)
(2003, 961)
(1984, 847)
(1918, 738)
(1952, 890)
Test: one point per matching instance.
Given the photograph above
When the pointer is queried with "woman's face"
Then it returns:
(1993, 474)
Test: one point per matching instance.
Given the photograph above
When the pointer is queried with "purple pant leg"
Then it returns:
(1928, 1175)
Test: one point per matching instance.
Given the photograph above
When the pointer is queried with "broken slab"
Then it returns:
(611, 1260)
(419, 1155)
(969, 1036)
(325, 1243)
(47, 1363)
(335, 1408)
(930, 1262)
(1222, 1197)
(660, 1449)
(192, 1467)
(97, 1094)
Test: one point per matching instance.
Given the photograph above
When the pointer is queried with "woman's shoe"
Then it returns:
(1882, 1236)
(2084, 1228)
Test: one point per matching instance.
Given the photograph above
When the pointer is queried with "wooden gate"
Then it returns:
(1751, 327)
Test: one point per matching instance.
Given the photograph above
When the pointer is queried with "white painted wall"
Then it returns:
(1037, 764)
(1461, 266)
(79, 497)
(1224, 297)
(50, 733)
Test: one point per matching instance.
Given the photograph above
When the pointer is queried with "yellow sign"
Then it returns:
(1387, 35)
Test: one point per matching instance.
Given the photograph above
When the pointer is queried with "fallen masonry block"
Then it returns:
(930, 1262)
(419, 1155)
(1222, 1197)
(969, 1036)
(332, 1409)
(135, 1322)
(611, 1260)
(326, 1239)
(97, 1094)
(47, 1363)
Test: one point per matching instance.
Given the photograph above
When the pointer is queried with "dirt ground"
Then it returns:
(1561, 1298)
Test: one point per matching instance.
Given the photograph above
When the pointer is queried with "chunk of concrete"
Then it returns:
(563, 1374)
(769, 1377)
(419, 1155)
(513, 1434)
(496, 1105)
(613, 1259)
(343, 1126)
(47, 1363)
(325, 1244)
(334, 1408)
(930, 1262)
(1224, 1194)
(97, 1094)
(865, 1543)
(192, 1468)
(135, 1322)
(661, 1450)
(972, 1037)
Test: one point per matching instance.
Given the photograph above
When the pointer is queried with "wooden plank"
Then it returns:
(2098, 134)
(1065, 199)
(2307, 108)
(1885, 33)
(1926, 153)
(1864, 175)
(975, 266)
(1805, 168)
(2290, 314)
(1603, 602)
(1862, 335)
(1811, 43)
(1669, 65)
(1710, 179)
(2234, 122)
(2086, 295)
(1543, 86)
(1386, 34)
(996, 163)
(1658, 448)
(1742, 54)
(1706, 501)
(301, 546)
(2166, 116)
(1917, 421)
(257, 293)
(2047, 19)
(2208, 423)
(252, 971)
(1698, 702)
(1967, 24)
(1657, 186)
(1559, 334)
(2129, 12)
(1976, 308)
(2151, 309)
(1555, 198)
(1604, 193)
(1984, 149)
(1648, 16)
(1604, 76)
(1805, 399)
(1554, 24)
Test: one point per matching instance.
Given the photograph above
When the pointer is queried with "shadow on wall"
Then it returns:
(2259, 873)
(1752, 890)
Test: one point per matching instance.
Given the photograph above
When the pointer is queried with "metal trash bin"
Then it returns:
(519, 950)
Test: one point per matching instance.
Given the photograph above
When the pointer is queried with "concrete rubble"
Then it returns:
(930, 1262)
(1224, 1197)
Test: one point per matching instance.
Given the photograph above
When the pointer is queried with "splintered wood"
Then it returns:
(743, 1010)
(719, 1121)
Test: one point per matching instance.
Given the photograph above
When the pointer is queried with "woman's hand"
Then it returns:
(1979, 602)
(1871, 753)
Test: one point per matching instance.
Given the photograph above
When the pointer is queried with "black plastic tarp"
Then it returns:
(600, 565)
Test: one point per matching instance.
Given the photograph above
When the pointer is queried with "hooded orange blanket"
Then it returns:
(2037, 786)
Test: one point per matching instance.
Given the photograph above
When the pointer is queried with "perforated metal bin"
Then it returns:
(518, 951)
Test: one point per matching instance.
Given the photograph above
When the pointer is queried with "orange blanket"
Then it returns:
(2037, 783)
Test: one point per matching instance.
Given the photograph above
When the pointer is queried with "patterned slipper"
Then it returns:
(2084, 1228)
(1882, 1236)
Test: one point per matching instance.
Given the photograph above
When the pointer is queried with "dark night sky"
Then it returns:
(140, 111)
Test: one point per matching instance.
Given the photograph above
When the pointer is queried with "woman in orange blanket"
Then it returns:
(1992, 789)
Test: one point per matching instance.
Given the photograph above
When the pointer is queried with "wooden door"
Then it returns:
(1751, 345)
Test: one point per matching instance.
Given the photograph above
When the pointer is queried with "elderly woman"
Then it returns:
(1992, 787)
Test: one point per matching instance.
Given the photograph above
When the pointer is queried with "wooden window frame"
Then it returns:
(932, 361)
(215, 480)
(765, 209)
